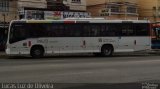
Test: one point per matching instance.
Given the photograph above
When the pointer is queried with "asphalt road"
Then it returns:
(82, 69)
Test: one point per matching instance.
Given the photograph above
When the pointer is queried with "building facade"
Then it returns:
(8, 10)
(149, 9)
(56, 5)
(32, 3)
(38, 9)
(25, 5)
(15, 9)
(95, 6)
(75, 5)
(11, 10)
(113, 9)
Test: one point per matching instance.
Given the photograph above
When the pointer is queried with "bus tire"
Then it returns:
(107, 50)
(37, 52)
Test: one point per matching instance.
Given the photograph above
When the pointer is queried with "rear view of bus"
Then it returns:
(156, 36)
(101, 37)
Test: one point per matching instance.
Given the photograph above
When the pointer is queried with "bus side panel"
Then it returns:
(130, 44)
(91, 44)
(94, 44)
(78, 45)
(125, 44)
(59, 45)
(18, 48)
(142, 43)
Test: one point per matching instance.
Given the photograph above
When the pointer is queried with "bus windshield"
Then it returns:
(23, 31)
(17, 33)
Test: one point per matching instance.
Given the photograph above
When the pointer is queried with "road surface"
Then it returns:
(82, 69)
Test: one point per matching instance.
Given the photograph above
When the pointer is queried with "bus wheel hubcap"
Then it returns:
(107, 51)
(37, 52)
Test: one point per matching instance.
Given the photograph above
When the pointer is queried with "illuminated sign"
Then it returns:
(53, 15)
(62, 15)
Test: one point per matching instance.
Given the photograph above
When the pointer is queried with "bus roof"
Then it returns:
(80, 21)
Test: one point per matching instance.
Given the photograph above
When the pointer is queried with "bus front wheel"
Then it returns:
(107, 50)
(37, 52)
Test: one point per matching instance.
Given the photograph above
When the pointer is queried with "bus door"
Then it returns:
(59, 38)
(142, 37)
(90, 40)
(78, 42)
(62, 44)
(90, 44)
(126, 41)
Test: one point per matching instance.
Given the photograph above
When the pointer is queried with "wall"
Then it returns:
(32, 3)
(11, 14)
(95, 7)
(146, 9)
(76, 6)
(94, 2)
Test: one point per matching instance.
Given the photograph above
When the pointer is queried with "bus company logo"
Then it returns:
(108, 40)
(42, 41)
(149, 86)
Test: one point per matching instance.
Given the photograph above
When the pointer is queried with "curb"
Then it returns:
(2, 55)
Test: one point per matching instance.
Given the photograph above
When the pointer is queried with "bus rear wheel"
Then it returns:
(37, 52)
(107, 51)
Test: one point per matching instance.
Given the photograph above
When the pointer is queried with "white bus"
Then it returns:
(103, 37)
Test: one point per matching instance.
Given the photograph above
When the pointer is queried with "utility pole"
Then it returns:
(105, 3)
(4, 14)
(4, 20)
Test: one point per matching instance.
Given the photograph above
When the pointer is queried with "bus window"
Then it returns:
(37, 30)
(95, 30)
(127, 30)
(142, 29)
(86, 30)
(112, 29)
(73, 30)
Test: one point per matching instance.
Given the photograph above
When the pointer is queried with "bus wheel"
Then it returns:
(37, 52)
(107, 50)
